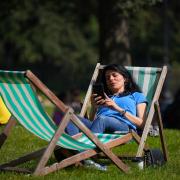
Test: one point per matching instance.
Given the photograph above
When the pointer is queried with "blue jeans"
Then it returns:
(100, 125)
(72, 129)
(108, 124)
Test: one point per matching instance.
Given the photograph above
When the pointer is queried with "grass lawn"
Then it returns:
(21, 142)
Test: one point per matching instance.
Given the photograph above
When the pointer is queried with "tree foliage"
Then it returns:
(62, 40)
(38, 29)
(114, 19)
(154, 34)
(50, 33)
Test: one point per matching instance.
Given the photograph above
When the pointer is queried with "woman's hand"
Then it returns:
(97, 100)
(108, 102)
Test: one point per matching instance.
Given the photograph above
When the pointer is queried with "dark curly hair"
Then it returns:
(130, 85)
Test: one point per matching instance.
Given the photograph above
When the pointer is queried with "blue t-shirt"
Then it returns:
(128, 102)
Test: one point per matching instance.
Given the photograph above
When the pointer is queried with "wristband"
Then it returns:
(123, 112)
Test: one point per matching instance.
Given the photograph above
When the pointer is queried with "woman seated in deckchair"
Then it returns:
(122, 108)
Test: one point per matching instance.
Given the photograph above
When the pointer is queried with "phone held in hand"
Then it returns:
(99, 90)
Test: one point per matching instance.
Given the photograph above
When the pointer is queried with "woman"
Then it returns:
(123, 107)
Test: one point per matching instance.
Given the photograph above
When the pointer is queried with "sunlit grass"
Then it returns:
(21, 142)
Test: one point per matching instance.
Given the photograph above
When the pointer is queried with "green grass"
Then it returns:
(21, 142)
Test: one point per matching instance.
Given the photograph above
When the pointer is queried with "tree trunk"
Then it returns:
(114, 40)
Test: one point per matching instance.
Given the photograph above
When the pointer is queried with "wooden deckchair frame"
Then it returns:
(45, 153)
(154, 110)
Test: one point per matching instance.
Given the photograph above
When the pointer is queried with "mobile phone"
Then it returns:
(99, 90)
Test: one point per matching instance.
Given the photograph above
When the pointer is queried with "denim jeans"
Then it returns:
(72, 129)
(108, 124)
(100, 125)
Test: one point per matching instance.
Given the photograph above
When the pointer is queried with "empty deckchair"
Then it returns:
(21, 100)
(150, 80)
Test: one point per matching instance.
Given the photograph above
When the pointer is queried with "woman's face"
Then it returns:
(115, 81)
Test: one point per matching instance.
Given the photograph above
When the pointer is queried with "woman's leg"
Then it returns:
(72, 129)
(104, 123)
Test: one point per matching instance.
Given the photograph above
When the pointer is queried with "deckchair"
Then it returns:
(18, 90)
(150, 80)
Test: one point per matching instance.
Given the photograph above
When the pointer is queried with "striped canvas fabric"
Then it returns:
(147, 79)
(26, 108)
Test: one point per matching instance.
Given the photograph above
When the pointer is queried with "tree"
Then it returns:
(50, 38)
(114, 18)
(62, 40)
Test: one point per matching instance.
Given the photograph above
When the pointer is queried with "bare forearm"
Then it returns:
(134, 119)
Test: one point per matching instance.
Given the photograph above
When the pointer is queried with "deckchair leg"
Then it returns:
(145, 132)
(23, 159)
(17, 170)
(46, 155)
(138, 139)
(163, 144)
(6, 131)
(102, 147)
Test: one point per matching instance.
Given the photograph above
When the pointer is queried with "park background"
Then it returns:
(61, 42)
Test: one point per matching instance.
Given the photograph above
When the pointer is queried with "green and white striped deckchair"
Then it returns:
(21, 100)
(150, 80)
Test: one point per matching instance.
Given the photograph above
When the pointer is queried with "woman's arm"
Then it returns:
(137, 120)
